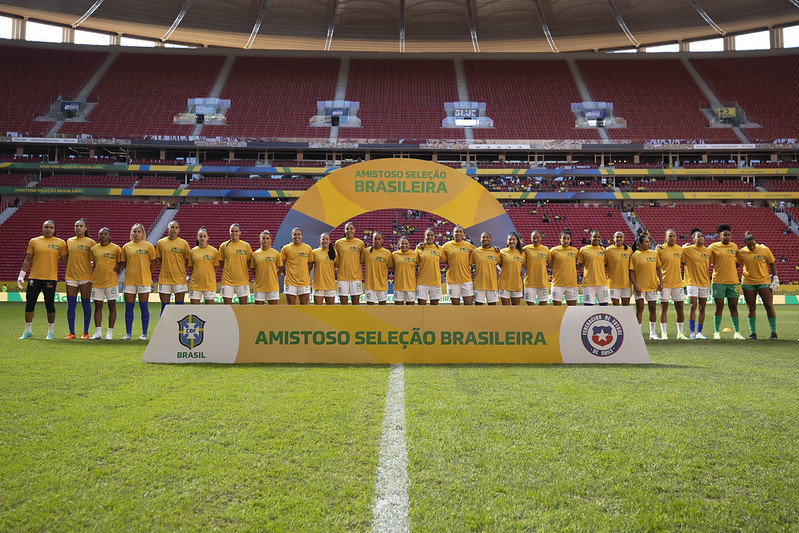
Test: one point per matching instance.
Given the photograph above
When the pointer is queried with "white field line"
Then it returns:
(390, 510)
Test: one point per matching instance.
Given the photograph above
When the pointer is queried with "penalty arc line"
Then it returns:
(390, 509)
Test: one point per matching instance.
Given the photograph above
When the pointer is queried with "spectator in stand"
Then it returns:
(42, 258)
(79, 277)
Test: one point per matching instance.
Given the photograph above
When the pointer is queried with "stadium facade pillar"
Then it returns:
(729, 43)
(685, 46)
(116, 39)
(776, 38)
(68, 35)
(18, 28)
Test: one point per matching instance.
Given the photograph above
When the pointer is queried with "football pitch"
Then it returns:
(704, 438)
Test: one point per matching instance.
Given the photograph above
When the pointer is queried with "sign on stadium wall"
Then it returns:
(387, 334)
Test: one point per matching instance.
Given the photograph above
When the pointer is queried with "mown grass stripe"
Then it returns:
(390, 510)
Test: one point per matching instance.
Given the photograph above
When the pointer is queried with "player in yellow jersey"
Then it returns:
(324, 272)
(459, 275)
(173, 254)
(266, 263)
(758, 261)
(138, 260)
(595, 279)
(617, 262)
(646, 278)
(42, 257)
(234, 258)
(536, 278)
(297, 263)
(670, 254)
(725, 283)
(511, 260)
(106, 257)
(696, 258)
(349, 281)
(79, 277)
(428, 281)
(203, 264)
(405, 262)
(563, 262)
(377, 261)
(485, 260)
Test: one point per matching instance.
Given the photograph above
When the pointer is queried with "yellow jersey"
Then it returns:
(105, 259)
(756, 264)
(670, 264)
(645, 264)
(173, 255)
(563, 262)
(295, 260)
(265, 264)
(203, 263)
(430, 258)
(617, 261)
(593, 260)
(485, 261)
(535, 266)
(45, 254)
(235, 258)
(405, 270)
(348, 259)
(510, 274)
(697, 265)
(138, 258)
(377, 263)
(457, 254)
(324, 271)
(79, 264)
(725, 266)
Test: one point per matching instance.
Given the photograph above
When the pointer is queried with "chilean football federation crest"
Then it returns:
(602, 335)
(190, 331)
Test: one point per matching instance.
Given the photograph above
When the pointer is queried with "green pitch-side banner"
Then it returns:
(388, 334)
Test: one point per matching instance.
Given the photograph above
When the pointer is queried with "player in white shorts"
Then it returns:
(670, 255)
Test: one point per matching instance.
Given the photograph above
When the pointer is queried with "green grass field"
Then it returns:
(704, 438)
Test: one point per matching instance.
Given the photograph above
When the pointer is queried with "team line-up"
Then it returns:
(483, 274)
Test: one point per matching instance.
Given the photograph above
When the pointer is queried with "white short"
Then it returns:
(433, 292)
(569, 293)
(404, 296)
(202, 295)
(137, 289)
(109, 293)
(229, 291)
(349, 288)
(324, 294)
(533, 294)
(296, 290)
(505, 293)
(649, 296)
(600, 292)
(77, 282)
(267, 296)
(675, 293)
(618, 294)
(172, 289)
(376, 296)
(486, 297)
(460, 290)
(694, 291)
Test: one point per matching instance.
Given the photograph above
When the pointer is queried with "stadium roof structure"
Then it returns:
(467, 26)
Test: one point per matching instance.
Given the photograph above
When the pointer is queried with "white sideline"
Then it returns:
(390, 510)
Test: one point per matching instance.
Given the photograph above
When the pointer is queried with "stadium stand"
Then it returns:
(158, 182)
(761, 221)
(526, 99)
(401, 100)
(681, 185)
(260, 183)
(275, 97)
(657, 97)
(97, 181)
(14, 180)
(33, 79)
(776, 185)
(141, 93)
(552, 218)
(741, 80)
(26, 223)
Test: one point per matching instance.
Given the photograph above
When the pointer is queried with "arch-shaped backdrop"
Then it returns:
(395, 184)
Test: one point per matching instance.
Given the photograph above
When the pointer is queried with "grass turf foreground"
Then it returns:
(705, 438)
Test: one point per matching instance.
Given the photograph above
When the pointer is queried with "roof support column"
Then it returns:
(729, 43)
(684, 46)
(776, 38)
(68, 35)
(18, 28)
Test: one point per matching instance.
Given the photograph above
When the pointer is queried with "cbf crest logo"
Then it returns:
(191, 330)
(602, 335)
